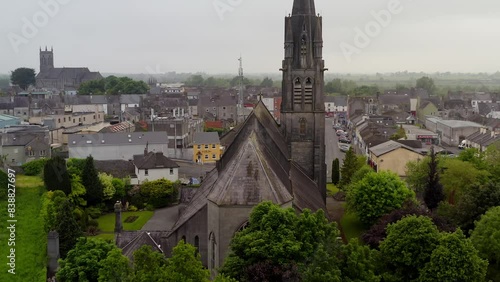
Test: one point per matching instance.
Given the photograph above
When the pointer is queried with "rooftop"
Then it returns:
(116, 139)
(206, 138)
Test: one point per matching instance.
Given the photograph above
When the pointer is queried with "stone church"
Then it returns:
(265, 161)
(61, 79)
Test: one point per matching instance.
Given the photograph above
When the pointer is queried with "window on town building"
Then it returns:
(199, 147)
(206, 157)
(206, 146)
(146, 172)
(42, 153)
(74, 120)
(213, 146)
(214, 156)
(64, 119)
(31, 153)
(59, 120)
(171, 171)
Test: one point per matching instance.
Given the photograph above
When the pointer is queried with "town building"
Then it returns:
(451, 132)
(61, 79)
(22, 144)
(393, 156)
(152, 166)
(115, 146)
(206, 147)
(8, 120)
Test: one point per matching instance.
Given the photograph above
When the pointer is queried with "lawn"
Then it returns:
(107, 222)
(351, 225)
(30, 238)
(331, 189)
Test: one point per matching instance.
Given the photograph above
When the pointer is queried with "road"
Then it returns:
(332, 150)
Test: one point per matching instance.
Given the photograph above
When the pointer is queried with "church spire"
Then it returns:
(303, 7)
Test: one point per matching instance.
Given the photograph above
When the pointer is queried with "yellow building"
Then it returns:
(206, 147)
(393, 156)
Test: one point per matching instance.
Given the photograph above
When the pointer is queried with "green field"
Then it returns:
(30, 238)
(107, 222)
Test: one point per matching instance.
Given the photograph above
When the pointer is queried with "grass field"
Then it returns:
(30, 238)
(107, 222)
(331, 189)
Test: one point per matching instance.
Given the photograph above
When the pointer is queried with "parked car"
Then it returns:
(344, 140)
(344, 147)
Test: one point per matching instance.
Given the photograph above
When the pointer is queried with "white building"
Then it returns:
(154, 166)
(116, 146)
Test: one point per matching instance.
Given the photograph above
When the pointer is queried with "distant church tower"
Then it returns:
(303, 107)
(46, 59)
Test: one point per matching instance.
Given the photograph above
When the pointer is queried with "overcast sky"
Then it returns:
(124, 36)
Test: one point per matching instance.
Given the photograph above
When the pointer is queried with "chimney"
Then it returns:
(118, 217)
(146, 149)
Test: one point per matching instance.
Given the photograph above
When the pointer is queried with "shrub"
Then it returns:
(93, 212)
(132, 208)
(93, 223)
(34, 168)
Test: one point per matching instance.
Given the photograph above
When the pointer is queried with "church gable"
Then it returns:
(250, 178)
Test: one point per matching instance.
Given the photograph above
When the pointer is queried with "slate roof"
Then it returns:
(483, 138)
(19, 139)
(130, 241)
(486, 108)
(340, 101)
(206, 138)
(79, 74)
(154, 160)
(117, 139)
(131, 98)
(116, 168)
(394, 99)
(389, 146)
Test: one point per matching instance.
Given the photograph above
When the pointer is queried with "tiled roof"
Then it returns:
(206, 138)
(153, 160)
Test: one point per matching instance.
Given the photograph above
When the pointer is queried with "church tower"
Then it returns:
(303, 107)
(46, 59)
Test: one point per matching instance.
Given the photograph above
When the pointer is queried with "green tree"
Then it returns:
(77, 195)
(433, 193)
(75, 166)
(454, 259)
(426, 83)
(120, 188)
(160, 193)
(195, 80)
(68, 229)
(185, 264)
(84, 261)
(400, 134)
(349, 167)
(358, 263)
(108, 188)
(417, 173)
(472, 204)
(90, 180)
(149, 265)
(408, 246)
(276, 241)
(486, 236)
(115, 267)
(56, 176)
(377, 194)
(336, 171)
(334, 86)
(459, 176)
(267, 82)
(34, 168)
(23, 77)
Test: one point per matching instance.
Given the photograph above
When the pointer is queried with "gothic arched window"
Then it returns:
(212, 251)
(297, 91)
(243, 226)
(308, 91)
(302, 126)
(197, 243)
